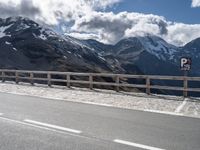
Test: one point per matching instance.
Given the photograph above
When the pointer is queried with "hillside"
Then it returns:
(27, 45)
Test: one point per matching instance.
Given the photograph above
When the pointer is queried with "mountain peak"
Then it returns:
(17, 20)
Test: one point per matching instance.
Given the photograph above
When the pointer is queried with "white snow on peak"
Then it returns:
(101, 57)
(158, 47)
(7, 43)
(75, 41)
(45, 33)
(3, 29)
(50, 33)
(22, 26)
(42, 36)
(14, 49)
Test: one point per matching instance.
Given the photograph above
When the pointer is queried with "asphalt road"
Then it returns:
(31, 123)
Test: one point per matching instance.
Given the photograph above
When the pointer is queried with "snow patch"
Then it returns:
(50, 33)
(158, 47)
(75, 42)
(7, 43)
(102, 58)
(22, 26)
(3, 29)
(79, 56)
(42, 36)
(45, 33)
(14, 49)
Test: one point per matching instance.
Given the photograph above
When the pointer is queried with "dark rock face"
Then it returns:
(26, 45)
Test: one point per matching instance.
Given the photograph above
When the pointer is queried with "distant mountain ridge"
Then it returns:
(153, 55)
(27, 45)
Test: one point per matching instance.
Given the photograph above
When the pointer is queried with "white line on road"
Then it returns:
(44, 128)
(53, 126)
(164, 112)
(180, 107)
(1, 114)
(136, 145)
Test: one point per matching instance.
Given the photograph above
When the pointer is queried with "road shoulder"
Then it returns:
(170, 105)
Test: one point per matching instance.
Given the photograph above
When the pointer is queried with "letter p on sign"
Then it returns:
(186, 63)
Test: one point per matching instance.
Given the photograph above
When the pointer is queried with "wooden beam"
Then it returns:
(31, 78)
(117, 81)
(49, 79)
(91, 81)
(185, 86)
(16, 77)
(68, 80)
(3, 76)
(148, 84)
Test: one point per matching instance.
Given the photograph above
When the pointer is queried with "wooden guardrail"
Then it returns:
(31, 76)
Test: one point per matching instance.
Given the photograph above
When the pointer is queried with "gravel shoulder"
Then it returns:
(136, 101)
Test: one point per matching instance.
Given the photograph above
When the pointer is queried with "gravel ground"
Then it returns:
(137, 101)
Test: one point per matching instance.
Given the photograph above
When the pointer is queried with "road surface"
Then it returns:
(43, 124)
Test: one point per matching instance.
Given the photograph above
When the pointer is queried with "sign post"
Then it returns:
(185, 66)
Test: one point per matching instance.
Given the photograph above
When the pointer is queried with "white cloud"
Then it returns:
(180, 34)
(87, 19)
(52, 11)
(110, 27)
(195, 3)
(84, 36)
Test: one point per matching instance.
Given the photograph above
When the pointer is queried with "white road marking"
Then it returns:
(1, 114)
(98, 104)
(180, 107)
(136, 145)
(53, 126)
(164, 112)
(44, 128)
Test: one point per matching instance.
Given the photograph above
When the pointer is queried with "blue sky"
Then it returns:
(173, 10)
(108, 21)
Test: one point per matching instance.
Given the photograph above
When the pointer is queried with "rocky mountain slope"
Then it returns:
(152, 55)
(25, 44)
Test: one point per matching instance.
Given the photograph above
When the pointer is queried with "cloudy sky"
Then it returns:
(177, 21)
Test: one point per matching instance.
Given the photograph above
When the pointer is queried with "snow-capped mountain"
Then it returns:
(152, 44)
(145, 55)
(192, 50)
(152, 55)
(27, 45)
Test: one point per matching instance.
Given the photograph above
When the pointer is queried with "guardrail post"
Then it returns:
(91, 81)
(185, 84)
(16, 77)
(117, 82)
(148, 84)
(3, 76)
(31, 78)
(68, 80)
(49, 79)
